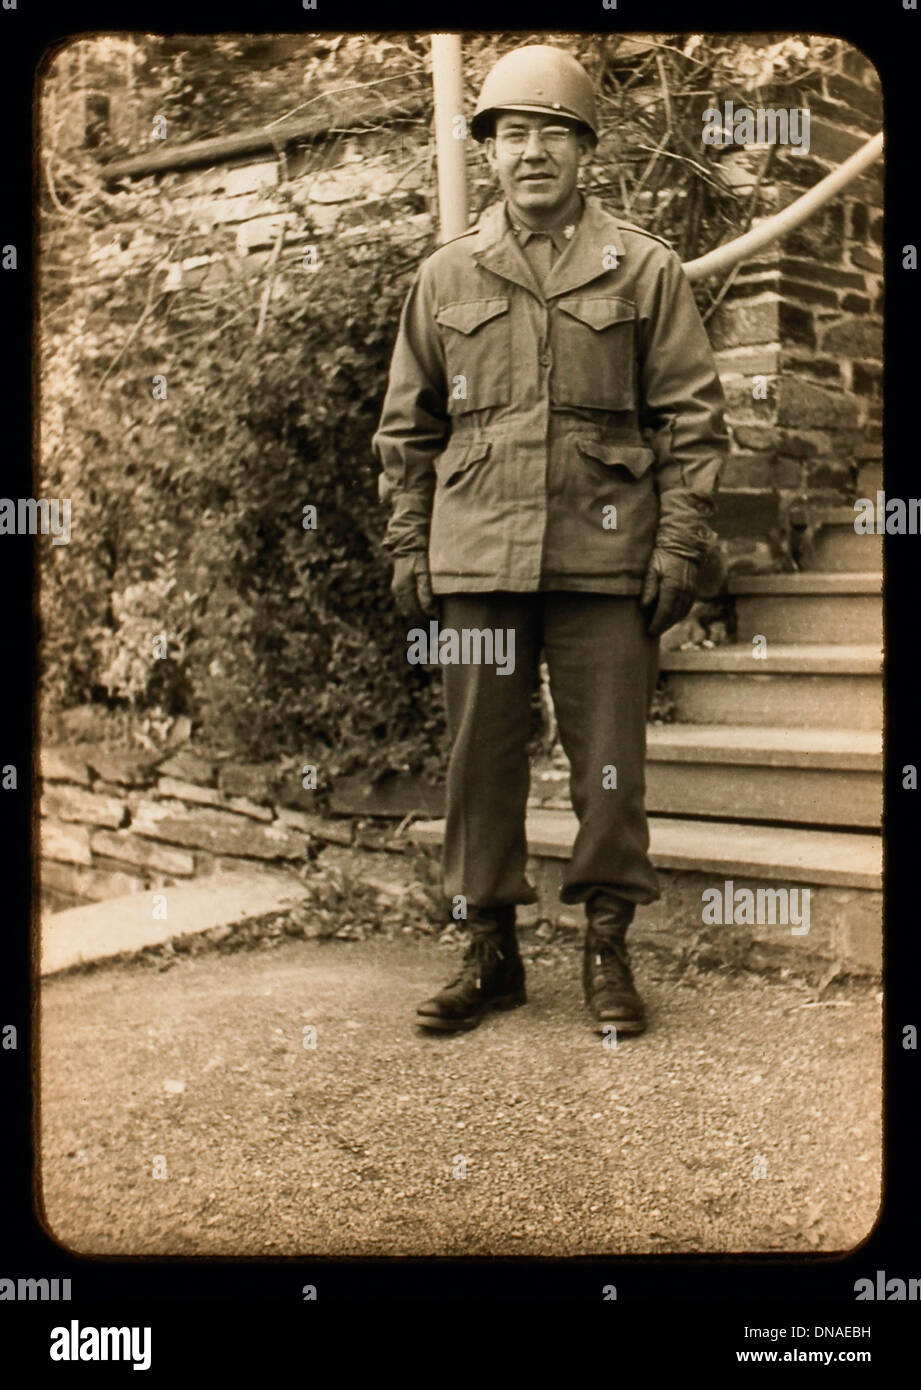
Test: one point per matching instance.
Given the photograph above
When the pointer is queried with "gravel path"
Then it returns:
(352, 1147)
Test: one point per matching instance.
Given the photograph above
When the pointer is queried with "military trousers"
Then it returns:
(602, 666)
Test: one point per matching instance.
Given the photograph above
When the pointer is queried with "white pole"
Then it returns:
(450, 134)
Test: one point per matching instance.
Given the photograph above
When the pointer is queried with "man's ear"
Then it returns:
(586, 148)
(489, 145)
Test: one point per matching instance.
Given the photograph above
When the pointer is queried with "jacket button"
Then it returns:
(544, 359)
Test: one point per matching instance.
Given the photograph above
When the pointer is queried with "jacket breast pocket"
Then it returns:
(594, 353)
(477, 346)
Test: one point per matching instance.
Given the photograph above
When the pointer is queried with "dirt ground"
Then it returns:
(182, 1113)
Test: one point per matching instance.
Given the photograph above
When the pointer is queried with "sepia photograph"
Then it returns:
(459, 532)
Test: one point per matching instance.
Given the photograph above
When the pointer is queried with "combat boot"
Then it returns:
(491, 975)
(606, 975)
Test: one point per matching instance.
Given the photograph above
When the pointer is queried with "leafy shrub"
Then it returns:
(188, 517)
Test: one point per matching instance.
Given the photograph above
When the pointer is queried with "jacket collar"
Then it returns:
(496, 248)
(560, 236)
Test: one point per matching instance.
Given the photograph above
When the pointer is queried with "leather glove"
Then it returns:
(411, 585)
(668, 591)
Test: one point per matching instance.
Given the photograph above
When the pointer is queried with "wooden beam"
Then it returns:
(223, 147)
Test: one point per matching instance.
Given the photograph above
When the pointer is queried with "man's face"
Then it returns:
(536, 159)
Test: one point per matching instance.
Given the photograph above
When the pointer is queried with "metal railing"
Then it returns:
(740, 248)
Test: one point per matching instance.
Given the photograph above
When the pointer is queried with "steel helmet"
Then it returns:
(536, 78)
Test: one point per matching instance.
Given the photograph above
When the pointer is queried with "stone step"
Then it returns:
(859, 750)
(841, 871)
(820, 685)
(776, 854)
(809, 606)
(836, 546)
(829, 777)
(100, 930)
(735, 772)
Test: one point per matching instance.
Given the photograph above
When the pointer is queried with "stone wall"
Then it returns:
(799, 333)
(233, 211)
(123, 822)
(114, 823)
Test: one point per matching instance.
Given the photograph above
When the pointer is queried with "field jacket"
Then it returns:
(537, 439)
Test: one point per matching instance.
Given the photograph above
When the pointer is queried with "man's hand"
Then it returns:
(411, 586)
(668, 591)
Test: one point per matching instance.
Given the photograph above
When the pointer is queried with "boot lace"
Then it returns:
(611, 959)
(482, 954)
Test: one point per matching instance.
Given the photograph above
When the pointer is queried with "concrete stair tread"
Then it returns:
(807, 658)
(809, 582)
(837, 858)
(127, 923)
(860, 749)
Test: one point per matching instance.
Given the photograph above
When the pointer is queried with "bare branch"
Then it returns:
(270, 280)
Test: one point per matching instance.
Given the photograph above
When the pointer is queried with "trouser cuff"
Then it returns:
(604, 908)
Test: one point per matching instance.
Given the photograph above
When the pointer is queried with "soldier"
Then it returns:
(550, 444)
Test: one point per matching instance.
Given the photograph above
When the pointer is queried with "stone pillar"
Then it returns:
(799, 332)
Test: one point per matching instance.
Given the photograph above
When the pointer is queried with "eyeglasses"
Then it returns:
(552, 137)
